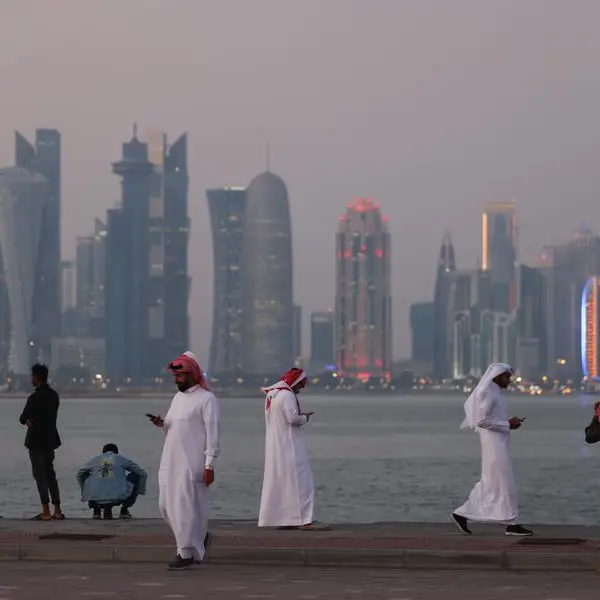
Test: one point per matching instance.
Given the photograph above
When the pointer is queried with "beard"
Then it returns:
(182, 387)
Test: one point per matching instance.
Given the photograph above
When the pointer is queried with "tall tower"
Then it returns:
(45, 158)
(169, 225)
(499, 252)
(227, 208)
(442, 306)
(268, 329)
(363, 292)
(322, 341)
(573, 265)
(24, 199)
(90, 264)
(128, 293)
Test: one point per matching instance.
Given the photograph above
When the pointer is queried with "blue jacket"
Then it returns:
(104, 478)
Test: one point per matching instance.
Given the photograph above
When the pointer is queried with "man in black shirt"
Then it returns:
(42, 439)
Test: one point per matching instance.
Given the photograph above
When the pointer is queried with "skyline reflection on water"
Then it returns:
(374, 458)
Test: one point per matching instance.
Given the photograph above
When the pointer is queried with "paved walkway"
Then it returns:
(392, 545)
(25, 581)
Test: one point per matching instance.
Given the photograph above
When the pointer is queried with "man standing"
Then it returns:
(186, 468)
(288, 491)
(42, 439)
(494, 497)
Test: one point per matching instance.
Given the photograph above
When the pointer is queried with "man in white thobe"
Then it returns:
(494, 497)
(187, 465)
(288, 492)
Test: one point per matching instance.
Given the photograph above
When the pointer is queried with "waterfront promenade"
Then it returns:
(397, 546)
(37, 581)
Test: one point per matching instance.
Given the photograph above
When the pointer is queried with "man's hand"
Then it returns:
(208, 477)
(29, 423)
(515, 422)
(158, 421)
(308, 415)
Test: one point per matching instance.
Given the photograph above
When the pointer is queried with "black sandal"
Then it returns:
(40, 517)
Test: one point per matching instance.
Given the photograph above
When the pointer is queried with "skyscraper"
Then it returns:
(170, 284)
(534, 322)
(442, 317)
(322, 341)
(227, 208)
(590, 331)
(147, 284)
(297, 333)
(268, 319)
(127, 269)
(422, 331)
(363, 292)
(499, 252)
(91, 273)
(574, 263)
(45, 158)
(24, 200)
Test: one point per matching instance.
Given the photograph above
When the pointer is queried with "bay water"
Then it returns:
(374, 458)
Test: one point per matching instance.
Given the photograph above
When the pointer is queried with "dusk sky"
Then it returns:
(428, 106)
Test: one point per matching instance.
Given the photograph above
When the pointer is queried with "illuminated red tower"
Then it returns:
(363, 292)
(590, 311)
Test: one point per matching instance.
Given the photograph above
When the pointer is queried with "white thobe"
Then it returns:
(288, 490)
(191, 444)
(494, 497)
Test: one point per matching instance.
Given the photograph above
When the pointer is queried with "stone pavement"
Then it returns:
(382, 545)
(26, 581)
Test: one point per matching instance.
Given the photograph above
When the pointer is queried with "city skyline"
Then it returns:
(424, 106)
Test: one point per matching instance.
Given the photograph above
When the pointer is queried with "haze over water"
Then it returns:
(374, 458)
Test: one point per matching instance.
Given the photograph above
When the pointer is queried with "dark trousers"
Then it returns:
(128, 502)
(42, 467)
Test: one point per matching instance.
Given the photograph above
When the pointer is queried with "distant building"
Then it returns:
(24, 198)
(147, 282)
(79, 355)
(590, 329)
(499, 253)
(363, 292)
(573, 265)
(534, 321)
(267, 274)
(442, 317)
(227, 208)
(297, 334)
(91, 275)
(422, 329)
(67, 298)
(45, 158)
(322, 342)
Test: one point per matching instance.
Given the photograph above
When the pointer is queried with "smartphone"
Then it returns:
(150, 416)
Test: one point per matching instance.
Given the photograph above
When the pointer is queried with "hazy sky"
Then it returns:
(428, 106)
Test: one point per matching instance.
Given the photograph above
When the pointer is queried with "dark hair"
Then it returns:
(40, 372)
(110, 448)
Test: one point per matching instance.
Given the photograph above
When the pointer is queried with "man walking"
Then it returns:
(42, 439)
(187, 465)
(288, 492)
(494, 497)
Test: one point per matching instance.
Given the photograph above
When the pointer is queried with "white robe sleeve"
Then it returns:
(485, 417)
(290, 408)
(210, 415)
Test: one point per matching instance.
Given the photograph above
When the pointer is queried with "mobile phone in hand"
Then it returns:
(151, 416)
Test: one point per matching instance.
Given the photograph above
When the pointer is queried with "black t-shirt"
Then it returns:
(42, 410)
